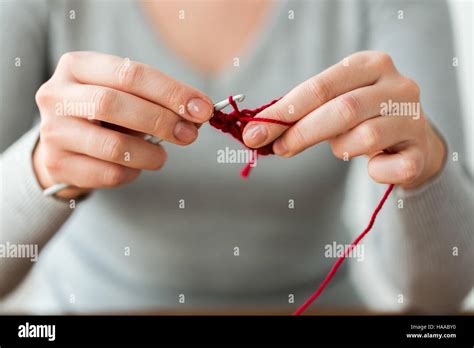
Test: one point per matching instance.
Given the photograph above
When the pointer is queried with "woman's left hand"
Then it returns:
(362, 106)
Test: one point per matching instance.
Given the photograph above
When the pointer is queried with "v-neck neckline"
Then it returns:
(228, 73)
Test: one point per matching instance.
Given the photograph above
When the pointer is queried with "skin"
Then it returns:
(129, 96)
(342, 105)
(130, 99)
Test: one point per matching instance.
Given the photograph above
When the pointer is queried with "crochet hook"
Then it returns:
(52, 190)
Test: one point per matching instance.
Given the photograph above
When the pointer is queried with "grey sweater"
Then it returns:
(236, 242)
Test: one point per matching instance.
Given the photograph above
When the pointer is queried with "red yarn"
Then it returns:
(235, 122)
(336, 265)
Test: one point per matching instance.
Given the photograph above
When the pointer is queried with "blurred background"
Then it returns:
(462, 12)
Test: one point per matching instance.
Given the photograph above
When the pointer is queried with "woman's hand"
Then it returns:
(362, 106)
(95, 110)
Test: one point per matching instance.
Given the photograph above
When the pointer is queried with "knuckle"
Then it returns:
(370, 137)
(348, 107)
(382, 59)
(319, 89)
(103, 101)
(67, 58)
(281, 114)
(172, 95)
(114, 176)
(47, 130)
(52, 162)
(129, 73)
(112, 147)
(299, 140)
(410, 87)
(409, 169)
(44, 95)
(70, 58)
(46, 126)
(156, 127)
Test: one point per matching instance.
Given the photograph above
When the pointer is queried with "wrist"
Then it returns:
(437, 152)
(435, 159)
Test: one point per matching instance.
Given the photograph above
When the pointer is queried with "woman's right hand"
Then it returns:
(95, 110)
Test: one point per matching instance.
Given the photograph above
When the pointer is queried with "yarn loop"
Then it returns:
(235, 122)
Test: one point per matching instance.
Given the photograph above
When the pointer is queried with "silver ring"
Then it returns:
(52, 190)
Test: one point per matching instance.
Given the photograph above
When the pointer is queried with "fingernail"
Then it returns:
(185, 132)
(199, 109)
(279, 147)
(255, 135)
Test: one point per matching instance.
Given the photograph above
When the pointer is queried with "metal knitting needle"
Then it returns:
(52, 190)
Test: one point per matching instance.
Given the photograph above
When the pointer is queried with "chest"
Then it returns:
(208, 34)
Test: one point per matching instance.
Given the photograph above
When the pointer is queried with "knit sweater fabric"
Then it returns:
(195, 229)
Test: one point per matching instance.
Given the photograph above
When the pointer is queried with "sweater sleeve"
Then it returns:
(27, 218)
(420, 254)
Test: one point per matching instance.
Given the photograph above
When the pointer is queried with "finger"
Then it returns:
(340, 115)
(401, 168)
(362, 69)
(79, 136)
(87, 172)
(374, 135)
(119, 128)
(139, 79)
(129, 111)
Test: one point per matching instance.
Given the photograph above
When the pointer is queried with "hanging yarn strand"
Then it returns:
(339, 261)
(234, 124)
